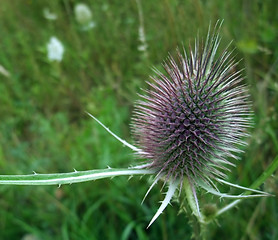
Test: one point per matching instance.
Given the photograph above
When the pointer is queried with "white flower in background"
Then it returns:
(84, 16)
(55, 50)
(49, 15)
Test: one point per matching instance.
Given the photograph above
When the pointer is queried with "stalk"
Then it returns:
(69, 178)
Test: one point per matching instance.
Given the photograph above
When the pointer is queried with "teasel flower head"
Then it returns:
(190, 123)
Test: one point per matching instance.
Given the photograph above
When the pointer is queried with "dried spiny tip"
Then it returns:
(193, 117)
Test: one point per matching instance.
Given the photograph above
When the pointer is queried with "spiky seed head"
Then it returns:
(192, 120)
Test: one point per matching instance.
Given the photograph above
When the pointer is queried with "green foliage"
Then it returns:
(44, 128)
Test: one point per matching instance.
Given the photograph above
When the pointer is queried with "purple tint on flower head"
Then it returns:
(182, 116)
(182, 127)
(197, 122)
(178, 110)
(173, 116)
(194, 115)
(186, 122)
(197, 133)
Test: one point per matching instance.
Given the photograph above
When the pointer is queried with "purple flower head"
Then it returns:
(192, 120)
(190, 123)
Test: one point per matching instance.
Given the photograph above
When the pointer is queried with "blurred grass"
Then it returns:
(43, 126)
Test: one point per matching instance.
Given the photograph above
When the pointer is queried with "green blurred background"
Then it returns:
(44, 128)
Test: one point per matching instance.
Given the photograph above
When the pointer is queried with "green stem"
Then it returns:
(197, 219)
(69, 178)
(259, 181)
